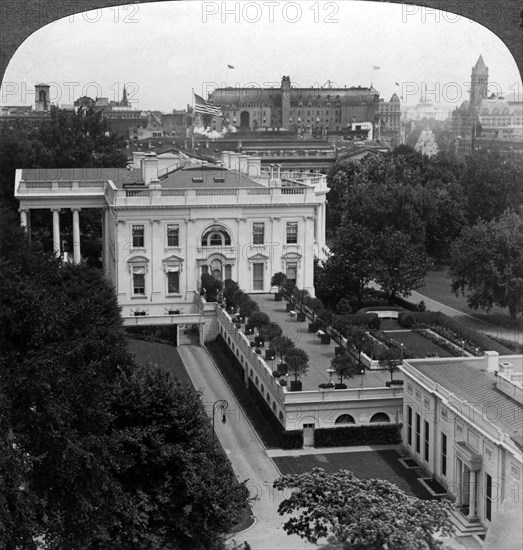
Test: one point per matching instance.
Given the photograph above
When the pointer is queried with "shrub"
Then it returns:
(151, 333)
(344, 306)
(258, 319)
(291, 439)
(379, 434)
(278, 279)
(406, 321)
(339, 322)
(315, 305)
(248, 307)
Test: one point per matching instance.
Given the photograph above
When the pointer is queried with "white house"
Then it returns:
(168, 220)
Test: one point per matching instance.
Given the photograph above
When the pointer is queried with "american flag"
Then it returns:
(204, 107)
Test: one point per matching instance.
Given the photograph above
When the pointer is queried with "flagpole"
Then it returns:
(193, 117)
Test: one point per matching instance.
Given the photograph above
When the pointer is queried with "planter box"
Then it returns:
(340, 386)
(300, 316)
(296, 385)
(269, 354)
(278, 297)
(259, 341)
(338, 351)
(283, 382)
(289, 306)
(325, 339)
(238, 325)
(313, 327)
(393, 383)
(252, 344)
(258, 351)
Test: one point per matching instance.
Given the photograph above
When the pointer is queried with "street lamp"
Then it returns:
(462, 348)
(222, 405)
(402, 345)
(330, 373)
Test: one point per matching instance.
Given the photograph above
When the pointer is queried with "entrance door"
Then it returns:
(308, 435)
(188, 335)
(244, 119)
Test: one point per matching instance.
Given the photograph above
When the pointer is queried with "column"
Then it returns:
(106, 242)
(56, 230)
(23, 218)
(472, 495)
(317, 224)
(459, 482)
(76, 236)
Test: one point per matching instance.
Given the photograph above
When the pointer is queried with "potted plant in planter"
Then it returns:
(300, 297)
(325, 318)
(343, 367)
(281, 345)
(278, 279)
(270, 331)
(297, 362)
(389, 360)
(258, 319)
(357, 338)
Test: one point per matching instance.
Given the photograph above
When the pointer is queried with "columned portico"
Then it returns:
(76, 236)
(468, 463)
(56, 231)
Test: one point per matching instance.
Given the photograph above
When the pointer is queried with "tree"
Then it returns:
(352, 264)
(258, 319)
(487, 264)
(389, 360)
(270, 332)
(281, 345)
(344, 367)
(278, 279)
(401, 265)
(372, 513)
(230, 288)
(357, 338)
(248, 307)
(211, 286)
(297, 362)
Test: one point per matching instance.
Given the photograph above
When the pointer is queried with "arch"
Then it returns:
(280, 416)
(380, 417)
(262, 389)
(244, 118)
(216, 235)
(274, 406)
(345, 419)
(256, 381)
(41, 96)
(268, 397)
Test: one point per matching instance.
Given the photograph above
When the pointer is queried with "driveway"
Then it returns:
(246, 453)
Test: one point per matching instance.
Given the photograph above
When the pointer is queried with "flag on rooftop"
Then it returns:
(230, 67)
(397, 83)
(375, 67)
(204, 107)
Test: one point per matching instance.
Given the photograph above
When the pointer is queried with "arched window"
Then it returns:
(345, 419)
(380, 418)
(216, 236)
(216, 269)
(41, 96)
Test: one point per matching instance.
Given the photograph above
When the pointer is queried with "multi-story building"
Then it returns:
(390, 119)
(165, 222)
(463, 423)
(299, 110)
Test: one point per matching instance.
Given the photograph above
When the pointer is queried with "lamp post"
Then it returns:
(402, 346)
(462, 348)
(330, 372)
(222, 405)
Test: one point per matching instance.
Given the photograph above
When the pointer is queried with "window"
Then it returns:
(228, 271)
(488, 497)
(216, 269)
(418, 433)
(257, 276)
(409, 425)
(216, 236)
(258, 233)
(173, 233)
(426, 441)
(443, 454)
(215, 239)
(138, 236)
(139, 281)
(292, 232)
(173, 282)
(292, 268)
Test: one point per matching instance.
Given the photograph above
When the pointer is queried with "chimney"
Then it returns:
(492, 358)
(254, 167)
(234, 161)
(138, 156)
(243, 164)
(149, 169)
(226, 159)
(506, 367)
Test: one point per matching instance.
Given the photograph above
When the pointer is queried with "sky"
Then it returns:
(162, 51)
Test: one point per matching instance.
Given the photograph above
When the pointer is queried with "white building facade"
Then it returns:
(166, 221)
(463, 421)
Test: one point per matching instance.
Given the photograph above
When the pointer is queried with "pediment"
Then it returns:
(138, 260)
(258, 258)
(291, 256)
(173, 258)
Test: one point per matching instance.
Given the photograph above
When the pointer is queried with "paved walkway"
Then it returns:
(246, 453)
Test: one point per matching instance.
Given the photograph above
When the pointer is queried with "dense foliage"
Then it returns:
(95, 451)
(371, 514)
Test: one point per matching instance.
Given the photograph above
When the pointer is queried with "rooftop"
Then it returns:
(469, 380)
(211, 176)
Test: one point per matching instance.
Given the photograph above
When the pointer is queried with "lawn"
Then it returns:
(363, 464)
(417, 345)
(437, 287)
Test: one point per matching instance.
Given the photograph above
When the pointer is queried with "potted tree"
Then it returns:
(357, 338)
(324, 319)
(344, 367)
(297, 362)
(389, 360)
(280, 345)
(300, 297)
(212, 287)
(278, 279)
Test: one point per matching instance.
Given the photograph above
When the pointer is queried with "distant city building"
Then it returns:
(390, 119)
(299, 110)
(426, 144)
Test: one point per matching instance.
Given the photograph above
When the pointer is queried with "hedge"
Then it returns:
(378, 434)
(287, 439)
(361, 319)
(155, 333)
